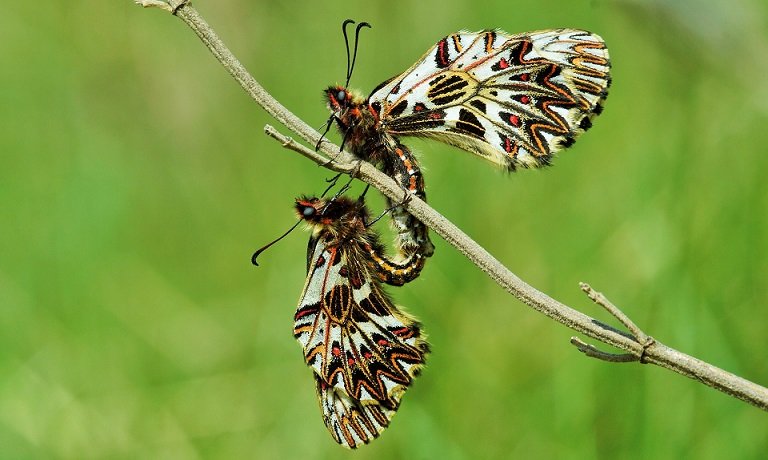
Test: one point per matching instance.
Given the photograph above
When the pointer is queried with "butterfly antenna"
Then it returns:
(265, 247)
(354, 54)
(346, 43)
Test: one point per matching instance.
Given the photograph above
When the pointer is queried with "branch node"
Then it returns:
(355, 172)
(179, 6)
(649, 342)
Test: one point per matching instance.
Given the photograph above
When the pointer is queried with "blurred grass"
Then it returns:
(136, 182)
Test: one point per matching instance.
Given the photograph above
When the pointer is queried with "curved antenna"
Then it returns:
(354, 54)
(265, 247)
(346, 43)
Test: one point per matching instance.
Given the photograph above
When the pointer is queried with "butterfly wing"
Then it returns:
(363, 350)
(350, 422)
(512, 99)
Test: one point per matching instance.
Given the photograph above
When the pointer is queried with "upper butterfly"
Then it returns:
(512, 99)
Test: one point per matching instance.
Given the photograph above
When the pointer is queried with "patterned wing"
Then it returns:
(512, 99)
(363, 350)
(350, 422)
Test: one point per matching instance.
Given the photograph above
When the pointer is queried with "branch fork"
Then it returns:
(642, 339)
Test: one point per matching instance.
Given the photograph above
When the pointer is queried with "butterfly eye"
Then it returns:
(308, 211)
(341, 95)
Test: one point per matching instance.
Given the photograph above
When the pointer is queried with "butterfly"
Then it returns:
(514, 100)
(363, 350)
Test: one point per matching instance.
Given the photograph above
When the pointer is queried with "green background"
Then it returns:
(135, 182)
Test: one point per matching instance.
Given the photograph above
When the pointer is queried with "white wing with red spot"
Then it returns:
(363, 350)
(512, 99)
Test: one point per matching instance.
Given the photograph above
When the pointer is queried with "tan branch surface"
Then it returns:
(637, 345)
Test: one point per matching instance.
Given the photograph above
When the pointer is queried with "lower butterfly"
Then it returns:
(363, 350)
(514, 100)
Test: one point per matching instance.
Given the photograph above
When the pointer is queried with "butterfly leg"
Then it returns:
(328, 125)
(331, 183)
(406, 199)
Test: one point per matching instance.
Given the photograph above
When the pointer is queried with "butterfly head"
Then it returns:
(336, 215)
(345, 105)
(326, 211)
(337, 98)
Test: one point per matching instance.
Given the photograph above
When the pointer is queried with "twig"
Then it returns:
(637, 345)
(593, 352)
(601, 300)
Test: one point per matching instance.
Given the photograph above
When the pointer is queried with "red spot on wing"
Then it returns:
(525, 77)
(503, 64)
(302, 313)
(356, 282)
(442, 53)
(509, 146)
(401, 332)
(515, 120)
(525, 99)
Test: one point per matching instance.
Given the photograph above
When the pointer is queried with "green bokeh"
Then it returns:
(135, 181)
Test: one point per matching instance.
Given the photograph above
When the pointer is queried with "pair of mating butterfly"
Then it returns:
(512, 99)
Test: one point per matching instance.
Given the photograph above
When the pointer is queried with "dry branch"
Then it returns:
(637, 345)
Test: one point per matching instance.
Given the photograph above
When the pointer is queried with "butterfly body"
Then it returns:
(364, 136)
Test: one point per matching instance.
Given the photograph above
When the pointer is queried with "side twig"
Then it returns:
(639, 347)
(639, 336)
